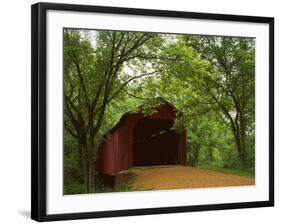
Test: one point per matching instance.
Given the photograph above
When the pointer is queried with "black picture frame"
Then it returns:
(39, 123)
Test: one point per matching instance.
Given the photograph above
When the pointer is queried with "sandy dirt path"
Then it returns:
(175, 177)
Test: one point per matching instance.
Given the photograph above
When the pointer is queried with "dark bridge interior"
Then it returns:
(155, 143)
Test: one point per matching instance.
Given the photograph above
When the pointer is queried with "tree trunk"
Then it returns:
(241, 149)
(195, 155)
(243, 139)
(91, 170)
(91, 157)
(84, 156)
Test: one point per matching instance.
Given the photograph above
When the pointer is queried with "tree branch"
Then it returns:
(127, 82)
(69, 130)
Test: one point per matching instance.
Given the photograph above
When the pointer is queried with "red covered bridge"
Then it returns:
(143, 140)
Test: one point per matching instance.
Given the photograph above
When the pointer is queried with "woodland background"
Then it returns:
(209, 79)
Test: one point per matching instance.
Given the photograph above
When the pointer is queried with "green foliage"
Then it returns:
(210, 80)
(73, 188)
(126, 185)
(73, 176)
(240, 172)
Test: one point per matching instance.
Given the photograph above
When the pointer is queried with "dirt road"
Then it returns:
(175, 177)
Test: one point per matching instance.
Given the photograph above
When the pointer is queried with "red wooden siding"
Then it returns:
(116, 153)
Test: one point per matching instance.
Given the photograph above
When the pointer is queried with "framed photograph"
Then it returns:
(140, 111)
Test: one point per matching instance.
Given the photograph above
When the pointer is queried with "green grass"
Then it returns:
(126, 185)
(240, 172)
